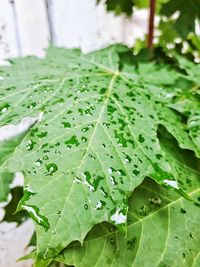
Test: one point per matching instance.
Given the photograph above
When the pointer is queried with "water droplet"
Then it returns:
(136, 172)
(30, 144)
(121, 172)
(85, 129)
(111, 109)
(112, 241)
(38, 162)
(100, 204)
(86, 206)
(72, 141)
(66, 124)
(183, 211)
(110, 170)
(84, 111)
(4, 107)
(112, 180)
(191, 236)
(106, 125)
(127, 159)
(51, 168)
(4, 110)
(104, 193)
(42, 134)
(102, 91)
(34, 213)
(158, 156)
(83, 139)
(141, 138)
(91, 156)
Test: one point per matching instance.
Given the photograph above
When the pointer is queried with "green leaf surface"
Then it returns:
(118, 6)
(154, 237)
(189, 102)
(192, 70)
(190, 108)
(162, 228)
(96, 142)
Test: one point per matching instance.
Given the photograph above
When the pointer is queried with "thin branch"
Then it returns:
(151, 26)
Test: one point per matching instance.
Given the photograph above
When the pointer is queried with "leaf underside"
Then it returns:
(96, 142)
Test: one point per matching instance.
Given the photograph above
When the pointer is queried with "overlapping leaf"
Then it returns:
(161, 232)
(162, 228)
(96, 142)
(188, 103)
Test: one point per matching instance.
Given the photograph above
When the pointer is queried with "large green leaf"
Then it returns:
(96, 142)
(163, 229)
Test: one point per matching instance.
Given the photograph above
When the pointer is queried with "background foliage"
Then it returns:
(176, 27)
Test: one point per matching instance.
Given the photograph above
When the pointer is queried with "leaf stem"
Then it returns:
(151, 26)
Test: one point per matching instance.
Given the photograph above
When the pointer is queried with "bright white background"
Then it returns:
(26, 27)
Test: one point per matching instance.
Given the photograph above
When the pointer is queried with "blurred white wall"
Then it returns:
(27, 27)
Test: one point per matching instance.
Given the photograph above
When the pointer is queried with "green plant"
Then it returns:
(176, 25)
(114, 145)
